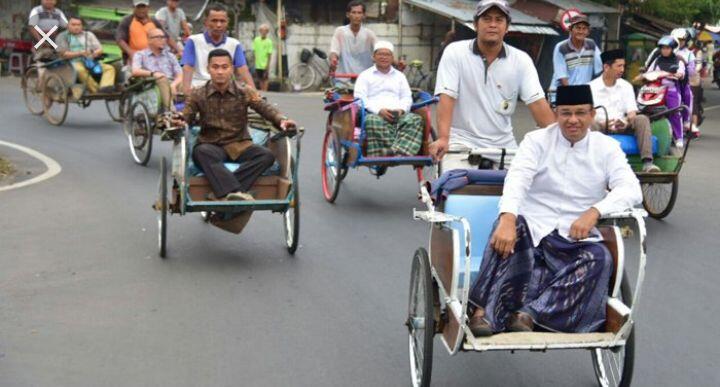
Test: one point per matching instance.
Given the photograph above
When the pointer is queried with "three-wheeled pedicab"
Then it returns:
(442, 275)
(344, 144)
(50, 87)
(277, 190)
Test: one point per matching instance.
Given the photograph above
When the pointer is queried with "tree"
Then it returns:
(680, 11)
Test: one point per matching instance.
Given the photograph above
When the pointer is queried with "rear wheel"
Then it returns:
(139, 133)
(331, 168)
(55, 99)
(614, 366)
(302, 77)
(659, 198)
(291, 217)
(421, 321)
(32, 92)
(162, 207)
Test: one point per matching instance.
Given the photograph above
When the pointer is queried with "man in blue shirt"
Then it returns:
(576, 61)
(198, 46)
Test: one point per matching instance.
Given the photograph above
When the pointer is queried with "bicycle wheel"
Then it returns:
(302, 77)
(55, 99)
(162, 207)
(421, 320)
(32, 92)
(659, 198)
(140, 133)
(614, 366)
(291, 217)
(331, 166)
(115, 108)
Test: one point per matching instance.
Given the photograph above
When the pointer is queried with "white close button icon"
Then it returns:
(46, 37)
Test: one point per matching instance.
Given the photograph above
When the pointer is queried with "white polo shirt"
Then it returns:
(486, 97)
(618, 99)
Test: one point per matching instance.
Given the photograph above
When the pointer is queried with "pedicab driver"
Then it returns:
(479, 82)
(545, 264)
(222, 104)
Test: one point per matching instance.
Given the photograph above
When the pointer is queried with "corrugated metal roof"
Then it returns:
(534, 30)
(583, 6)
(463, 10)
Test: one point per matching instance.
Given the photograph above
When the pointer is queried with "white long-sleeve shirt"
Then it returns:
(380, 90)
(552, 182)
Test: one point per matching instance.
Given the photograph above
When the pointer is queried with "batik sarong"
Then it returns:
(404, 138)
(562, 285)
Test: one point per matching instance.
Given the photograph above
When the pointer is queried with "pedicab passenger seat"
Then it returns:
(629, 144)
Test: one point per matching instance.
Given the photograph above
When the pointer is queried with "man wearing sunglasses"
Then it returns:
(158, 62)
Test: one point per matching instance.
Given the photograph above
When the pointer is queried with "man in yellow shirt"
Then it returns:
(263, 49)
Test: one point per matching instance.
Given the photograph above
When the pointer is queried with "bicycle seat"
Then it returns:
(320, 53)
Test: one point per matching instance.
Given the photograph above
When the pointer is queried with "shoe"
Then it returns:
(679, 143)
(695, 131)
(478, 325)
(648, 166)
(520, 322)
(239, 196)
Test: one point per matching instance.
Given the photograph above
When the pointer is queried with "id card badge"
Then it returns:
(506, 101)
(505, 106)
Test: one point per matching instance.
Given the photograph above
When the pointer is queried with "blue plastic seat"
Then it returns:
(481, 212)
(629, 145)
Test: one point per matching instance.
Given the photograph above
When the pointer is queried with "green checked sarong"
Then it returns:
(401, 139)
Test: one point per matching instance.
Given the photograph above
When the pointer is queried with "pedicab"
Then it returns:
(344, 144)
(659, 189)
(277, 190)
(50, 87)
(443, 273)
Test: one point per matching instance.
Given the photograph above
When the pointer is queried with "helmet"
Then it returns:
(680, 33)
(669, 41)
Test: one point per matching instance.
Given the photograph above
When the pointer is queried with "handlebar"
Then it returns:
(343, 75)
(290, 133)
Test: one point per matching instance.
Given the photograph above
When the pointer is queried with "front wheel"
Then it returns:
(116, 108)
(659, 198)
(162, 207)
(32, 92)
(421, 321)
(302, 77)
(291, 218)
(55, 99)
(140, 133)
(331, 168)
(614, 366)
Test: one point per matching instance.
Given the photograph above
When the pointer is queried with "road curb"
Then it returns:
(53, 168)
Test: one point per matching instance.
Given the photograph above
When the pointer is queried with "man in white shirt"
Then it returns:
(479, 82)
(351, 47)
(546, 265)
(618, 97)
(392, 130)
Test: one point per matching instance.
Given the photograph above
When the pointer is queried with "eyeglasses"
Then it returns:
(567, 114)
(158, 37)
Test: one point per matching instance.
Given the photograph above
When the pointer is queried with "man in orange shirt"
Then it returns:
(132, 32)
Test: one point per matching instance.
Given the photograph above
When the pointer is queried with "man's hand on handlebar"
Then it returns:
(288, 125)
(438, 149)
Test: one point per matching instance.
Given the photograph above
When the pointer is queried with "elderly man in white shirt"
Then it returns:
(545, 264)
(392, 130)
(617, 96)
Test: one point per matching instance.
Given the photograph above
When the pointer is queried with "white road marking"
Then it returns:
(53, 168)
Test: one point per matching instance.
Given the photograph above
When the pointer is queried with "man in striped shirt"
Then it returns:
(576, 60)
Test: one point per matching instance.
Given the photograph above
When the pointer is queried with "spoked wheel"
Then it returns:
(302, 77)
(55, 99)
(421, 322)
(32, 92)
(291, 219)
(116, 108)
(162, 207)
(659, 198)
(614, 366)
(140, 133)
(332, 166)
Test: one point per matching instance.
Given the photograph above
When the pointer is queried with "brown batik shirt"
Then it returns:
(224, 116)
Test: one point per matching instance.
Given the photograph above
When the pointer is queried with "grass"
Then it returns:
(6, 169)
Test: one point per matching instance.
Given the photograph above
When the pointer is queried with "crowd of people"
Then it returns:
(545, 265)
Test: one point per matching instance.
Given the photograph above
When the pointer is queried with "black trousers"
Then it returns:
(254, 161)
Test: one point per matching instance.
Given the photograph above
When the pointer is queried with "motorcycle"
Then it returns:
(651, 97)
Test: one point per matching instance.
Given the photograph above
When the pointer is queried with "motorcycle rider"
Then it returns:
(688, 57)
(669, 62)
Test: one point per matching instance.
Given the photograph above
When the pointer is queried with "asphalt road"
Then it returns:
(85, 301)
